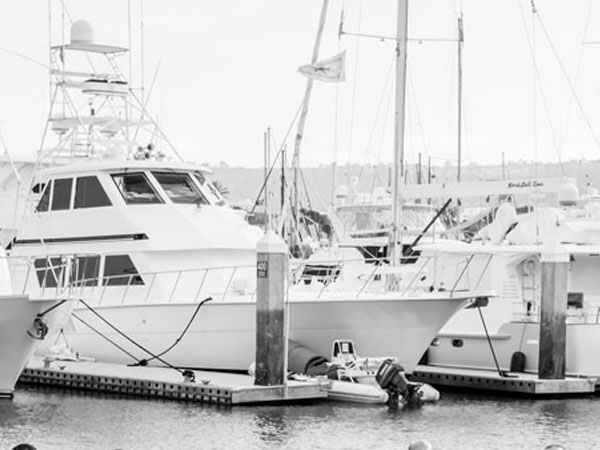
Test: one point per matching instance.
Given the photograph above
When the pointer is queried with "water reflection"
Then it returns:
(271, 426)
(57, 420)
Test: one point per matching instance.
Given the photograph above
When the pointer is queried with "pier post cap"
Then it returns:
(271, 243)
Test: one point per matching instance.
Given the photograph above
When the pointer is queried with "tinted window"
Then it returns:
(180, 188)
(45, 200)
(135, 188)
(85, 271)
(48, 271)
(117, 265)
(61, 195)
(90, 194)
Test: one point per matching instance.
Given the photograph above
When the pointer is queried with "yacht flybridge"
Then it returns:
(152, 239)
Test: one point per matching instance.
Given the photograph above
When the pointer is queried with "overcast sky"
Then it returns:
(228, 69)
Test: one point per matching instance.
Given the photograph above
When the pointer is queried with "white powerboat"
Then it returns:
(153, 238)
(510, 324)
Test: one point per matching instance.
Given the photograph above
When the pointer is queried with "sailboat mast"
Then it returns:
(398, 162)
(460, 75)
(303, 114)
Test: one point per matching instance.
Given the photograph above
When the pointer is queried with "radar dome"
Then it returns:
(82, 32)
(568, 195)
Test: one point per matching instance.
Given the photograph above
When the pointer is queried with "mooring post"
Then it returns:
(553, 323)
(271, 279)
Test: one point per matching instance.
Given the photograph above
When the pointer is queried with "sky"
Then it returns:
(227, 70)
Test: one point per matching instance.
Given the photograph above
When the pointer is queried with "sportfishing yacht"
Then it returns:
(163, 265)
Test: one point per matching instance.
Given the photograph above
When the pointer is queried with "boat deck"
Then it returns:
(164, 383)
(523, 384)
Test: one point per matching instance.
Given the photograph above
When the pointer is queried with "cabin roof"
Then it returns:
(93, 165)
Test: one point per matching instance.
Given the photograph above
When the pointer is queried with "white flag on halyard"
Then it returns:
(331, 70)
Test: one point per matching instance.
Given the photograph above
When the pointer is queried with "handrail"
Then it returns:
(221, 281)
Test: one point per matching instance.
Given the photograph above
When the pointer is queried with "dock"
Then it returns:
(163, 383)
(519, 384)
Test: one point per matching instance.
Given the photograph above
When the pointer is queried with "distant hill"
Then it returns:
(244, 183)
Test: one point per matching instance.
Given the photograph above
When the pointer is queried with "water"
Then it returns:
(53, 420)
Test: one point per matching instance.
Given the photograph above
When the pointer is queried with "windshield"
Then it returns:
(180, 188)
(208, 189)
(135, 188)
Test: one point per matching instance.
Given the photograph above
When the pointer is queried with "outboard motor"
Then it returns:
(390, 377)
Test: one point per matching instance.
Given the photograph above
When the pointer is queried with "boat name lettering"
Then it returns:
(525, 184)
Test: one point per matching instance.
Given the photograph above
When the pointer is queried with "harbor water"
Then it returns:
(58, 420)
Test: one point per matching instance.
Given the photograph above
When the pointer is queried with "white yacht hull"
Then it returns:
(16, 345)
(223, 333)
(475, 353)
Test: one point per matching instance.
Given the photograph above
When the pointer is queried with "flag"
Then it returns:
(330, 70)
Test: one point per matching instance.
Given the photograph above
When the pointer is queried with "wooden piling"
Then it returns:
(553, 325)
(271, 274)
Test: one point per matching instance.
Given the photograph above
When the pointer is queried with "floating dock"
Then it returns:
(164, 383)
(522, 384)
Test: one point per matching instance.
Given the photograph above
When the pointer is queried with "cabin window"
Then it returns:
(48, 271)
(90, 194)
(119, 270)
(85, 271)
(180, 188)
(209, 189)
(61, 195)
(136, 189)
(45, 200)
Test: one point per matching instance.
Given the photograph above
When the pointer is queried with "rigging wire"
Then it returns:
(385, 95)
(285, 138)
(569, 100)
(568, 81)
(353, 107)
(417, 113)
(538, 86)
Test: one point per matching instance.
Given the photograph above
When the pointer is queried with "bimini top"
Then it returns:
(98, 165)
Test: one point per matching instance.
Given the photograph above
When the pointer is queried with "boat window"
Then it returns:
(89, 193)
(61, 195)
(85, 271)
(180, 188)
(48, 271)
(209, 189)
(135, 188)
(45, 200)
(119, 270)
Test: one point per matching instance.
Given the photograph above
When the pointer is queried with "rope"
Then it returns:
(141, 347)
(501, 372)
(103, 336)
(144, 362)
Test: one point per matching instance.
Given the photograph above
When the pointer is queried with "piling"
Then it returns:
(553, 325)
(271, 279)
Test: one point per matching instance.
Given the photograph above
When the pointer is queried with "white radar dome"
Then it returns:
(82, 32)
(568, 195)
